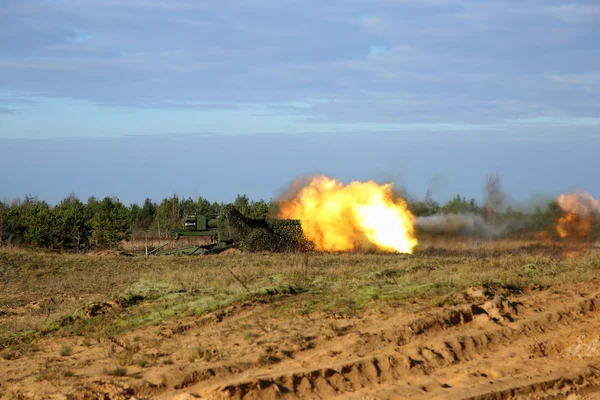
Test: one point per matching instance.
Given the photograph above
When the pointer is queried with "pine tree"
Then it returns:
(203, 206)
(110, 223)
(258, 209)
(73, 227)
(242, 204)
(42, 226)
(147, 214)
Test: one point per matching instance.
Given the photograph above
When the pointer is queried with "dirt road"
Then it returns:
(494, 344)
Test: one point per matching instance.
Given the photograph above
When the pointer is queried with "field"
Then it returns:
(138, 242)
(457, 319)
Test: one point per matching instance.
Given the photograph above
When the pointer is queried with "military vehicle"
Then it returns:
(215, 229)
(230, 229)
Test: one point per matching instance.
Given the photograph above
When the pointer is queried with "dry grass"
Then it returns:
(44, 292)
(138, 242)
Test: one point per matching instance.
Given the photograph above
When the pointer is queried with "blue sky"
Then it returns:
(407, 90)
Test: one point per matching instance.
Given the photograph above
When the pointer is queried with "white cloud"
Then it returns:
(454, 60)
(371, 22)
(589, 83)
(576, 13)
(375, 51)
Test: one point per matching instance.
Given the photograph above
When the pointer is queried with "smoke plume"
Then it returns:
(459, 224)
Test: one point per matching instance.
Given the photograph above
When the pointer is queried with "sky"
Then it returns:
(144, 98)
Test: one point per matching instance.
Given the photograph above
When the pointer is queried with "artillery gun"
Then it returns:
(231, 229)
(215, 229)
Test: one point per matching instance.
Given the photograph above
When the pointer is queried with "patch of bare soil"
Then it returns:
(541, 344)
(230, 252)
(104, 253)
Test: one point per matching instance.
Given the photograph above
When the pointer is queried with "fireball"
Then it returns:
(579, 208)
(336, 216)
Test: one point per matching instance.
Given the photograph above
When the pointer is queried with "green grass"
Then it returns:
(142, 363)
(268, 358)
(10, 355)
(66, 350)
(119, 371)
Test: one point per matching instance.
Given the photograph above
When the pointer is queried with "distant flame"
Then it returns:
(579, 208)
(334, 216)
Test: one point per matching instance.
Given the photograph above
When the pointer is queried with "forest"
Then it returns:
(74, 225)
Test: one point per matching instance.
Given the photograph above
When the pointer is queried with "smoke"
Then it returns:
(459, 224)
(579, 201)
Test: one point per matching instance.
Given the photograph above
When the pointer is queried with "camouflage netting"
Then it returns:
(265, 235)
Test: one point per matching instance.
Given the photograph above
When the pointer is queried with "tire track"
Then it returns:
(423, 348)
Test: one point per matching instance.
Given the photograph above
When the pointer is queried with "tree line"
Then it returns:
(540, 222)
(103, 224)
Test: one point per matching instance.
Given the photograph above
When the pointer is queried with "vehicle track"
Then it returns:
(499, 349)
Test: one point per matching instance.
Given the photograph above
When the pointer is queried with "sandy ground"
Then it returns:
(536, 344)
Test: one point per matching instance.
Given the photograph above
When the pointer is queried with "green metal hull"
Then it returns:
(232, 229)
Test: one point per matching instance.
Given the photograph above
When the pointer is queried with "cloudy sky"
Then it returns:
(140, 98)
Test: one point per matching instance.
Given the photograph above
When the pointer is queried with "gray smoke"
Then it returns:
(459, 224)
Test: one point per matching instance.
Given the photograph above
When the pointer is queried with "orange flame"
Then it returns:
(334, 217)
(579, 208)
